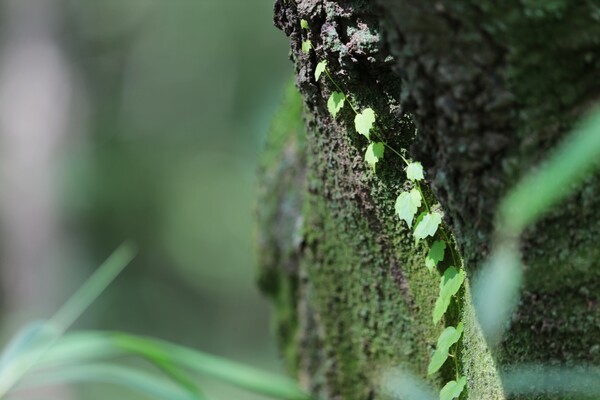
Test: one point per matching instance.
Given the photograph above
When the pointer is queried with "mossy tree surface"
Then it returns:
(479, 92)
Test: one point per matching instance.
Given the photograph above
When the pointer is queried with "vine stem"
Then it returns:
(353, 107)
(455, 356)
(418, 186)
(341, 91)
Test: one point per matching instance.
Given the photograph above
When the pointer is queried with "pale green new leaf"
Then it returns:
(320, 69)
(335, 103)
(449, 286)
(414, 171)
(306, 46)
(304, 24)
(374, 153)
(428, 226)
(448, 337)
(363, 122)
(435, 255)
(453, 389)
(407, 205)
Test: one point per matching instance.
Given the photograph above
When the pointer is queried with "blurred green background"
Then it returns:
(170, 102)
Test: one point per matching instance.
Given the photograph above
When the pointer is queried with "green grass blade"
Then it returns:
(27, 337)
(64, 318)
(553, 181)
(231, 372)
(85, 347)
(93, 287)
(132, 378)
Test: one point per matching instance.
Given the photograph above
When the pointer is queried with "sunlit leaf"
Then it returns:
(304, 24)
(448, 337)
(335, 103)
(453, 389)
(306, 46)
(363, 122)
(414, 171)
(428, 226)
(407, 205)
(374, 153)
(450, 283)
(320, 69)
(435, 255)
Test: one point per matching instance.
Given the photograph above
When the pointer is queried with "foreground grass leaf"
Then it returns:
(228, 371)
(407, 205)
(335, 103)
(450, 283)
(54, 328)
(135, 379)
(428, 226)
(401, 384)
(363, 122)
(448, 337)
(453, 389)
(320, 69)
(374, 153)
(435, 255)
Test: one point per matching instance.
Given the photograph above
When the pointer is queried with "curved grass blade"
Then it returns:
(27, 337)
(85, 347)
(228, 371)
(131, 378)
(66, 315)
(559, 176)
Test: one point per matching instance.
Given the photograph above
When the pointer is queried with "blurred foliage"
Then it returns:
(174, 99)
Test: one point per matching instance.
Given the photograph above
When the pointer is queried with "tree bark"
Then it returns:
(479, 92)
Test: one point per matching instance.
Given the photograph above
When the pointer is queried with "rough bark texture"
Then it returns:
(479, 92)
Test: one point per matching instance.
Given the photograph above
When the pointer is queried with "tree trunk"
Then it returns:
(479, 92)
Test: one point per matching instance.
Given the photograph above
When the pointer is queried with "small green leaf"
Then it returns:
(448, 337)
(414, 171)
(435, 255)
(320, 69)
(304, 24)
(364, 121)
(335, 103)
(407, 205)
(428, 226)
(453, 389)
(449, 286)
(306, 46)
(374, 153)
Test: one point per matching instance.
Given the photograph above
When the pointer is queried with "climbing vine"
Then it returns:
(428, 224)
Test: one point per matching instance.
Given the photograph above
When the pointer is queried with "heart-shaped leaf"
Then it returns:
(435, 255)
(364, 121)
(335, 103)
(449, 286)
(320, 69)
(453, 389)
(407, 205)
(428, 226)
(414, 171)
(448, 337)
(374, 153)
